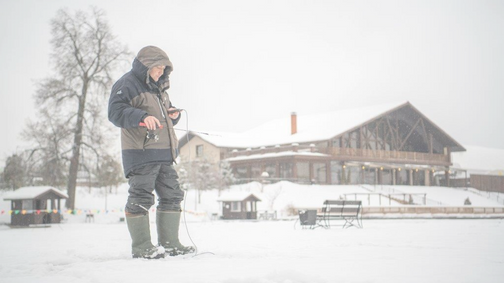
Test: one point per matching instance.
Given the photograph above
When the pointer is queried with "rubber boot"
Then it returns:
(139, 229)
(168, 223)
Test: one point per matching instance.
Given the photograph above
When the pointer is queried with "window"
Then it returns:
(271, 169)
(337, 174)
(241, 172)
(402, 177)
(286, 170)
(355, 139)
(369, 176)
(199, 150)
(336, 142)
(386, 177)
(419, 177)
(256, 171)
(40, 204)
(319, 172)
(27, 204)
(303, 171)
(235, 206)
(353, 174)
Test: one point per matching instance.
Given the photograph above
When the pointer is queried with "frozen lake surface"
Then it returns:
(389, 251)
(264, 251)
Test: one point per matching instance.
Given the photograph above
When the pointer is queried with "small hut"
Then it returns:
(35, 205)
(238, 205)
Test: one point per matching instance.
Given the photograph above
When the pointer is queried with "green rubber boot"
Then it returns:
(168, 223)
(142, 247)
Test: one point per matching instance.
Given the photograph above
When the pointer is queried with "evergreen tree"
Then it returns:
(109, 173)
(14, 172)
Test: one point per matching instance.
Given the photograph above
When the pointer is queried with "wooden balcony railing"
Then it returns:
(355, 154)
(388, 155)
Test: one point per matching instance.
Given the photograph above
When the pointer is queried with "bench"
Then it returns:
(347, 212)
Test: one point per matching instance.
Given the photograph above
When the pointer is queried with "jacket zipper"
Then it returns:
(160, 107)
(166, 120)
(162, 113)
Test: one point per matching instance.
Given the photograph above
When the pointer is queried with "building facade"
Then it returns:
(392, 144)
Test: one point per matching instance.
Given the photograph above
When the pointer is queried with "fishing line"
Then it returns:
(185, 199)
(191, 131)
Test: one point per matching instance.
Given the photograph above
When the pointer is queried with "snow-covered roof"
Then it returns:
(32, 193)
(315, 127)
(311, 128)
(480, 160)
(274, 155)
(236, 196)
(320, 126)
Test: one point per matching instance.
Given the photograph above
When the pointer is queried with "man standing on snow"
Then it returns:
(148, 152)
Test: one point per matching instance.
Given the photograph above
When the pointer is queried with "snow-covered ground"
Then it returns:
(277, 197)
(262, 252)
(415, 250)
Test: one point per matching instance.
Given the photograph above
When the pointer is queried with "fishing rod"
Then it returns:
(141, 124)
(191, 131)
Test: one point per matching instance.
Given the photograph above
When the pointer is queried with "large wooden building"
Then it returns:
(392, 144)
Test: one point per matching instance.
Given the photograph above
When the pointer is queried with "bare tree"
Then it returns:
(47, 160)
(84, 55)
(199, 175)
(203, 175)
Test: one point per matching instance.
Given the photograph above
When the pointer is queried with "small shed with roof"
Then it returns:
(35, 205)
(239, 205)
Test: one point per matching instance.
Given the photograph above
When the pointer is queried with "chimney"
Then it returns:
(293, 123)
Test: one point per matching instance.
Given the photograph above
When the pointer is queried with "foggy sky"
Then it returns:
(238, 64)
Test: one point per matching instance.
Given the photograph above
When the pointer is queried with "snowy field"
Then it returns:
(415, 250)
(262, 252)
(277, 197)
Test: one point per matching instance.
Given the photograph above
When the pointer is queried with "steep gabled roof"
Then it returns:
(32, 193)
(238, 196)
(313, 128)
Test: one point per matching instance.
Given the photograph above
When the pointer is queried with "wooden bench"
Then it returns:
(346, 213)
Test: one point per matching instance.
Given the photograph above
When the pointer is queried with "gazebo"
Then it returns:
(237, 205)
(35, 205)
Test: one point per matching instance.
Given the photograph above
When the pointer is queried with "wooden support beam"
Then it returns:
(360, 145)
(431, 144)
(409, 134)
(426, 135)
(393, 138)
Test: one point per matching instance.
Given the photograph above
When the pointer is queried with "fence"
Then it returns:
(402, 198)
(432, 210)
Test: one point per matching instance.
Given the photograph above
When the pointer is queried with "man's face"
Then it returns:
(157, 72)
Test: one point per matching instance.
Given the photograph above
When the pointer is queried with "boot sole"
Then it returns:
(159, 256)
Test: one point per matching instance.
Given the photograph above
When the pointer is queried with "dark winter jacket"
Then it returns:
(135, 96)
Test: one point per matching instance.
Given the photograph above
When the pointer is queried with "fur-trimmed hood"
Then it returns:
(148, 58)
